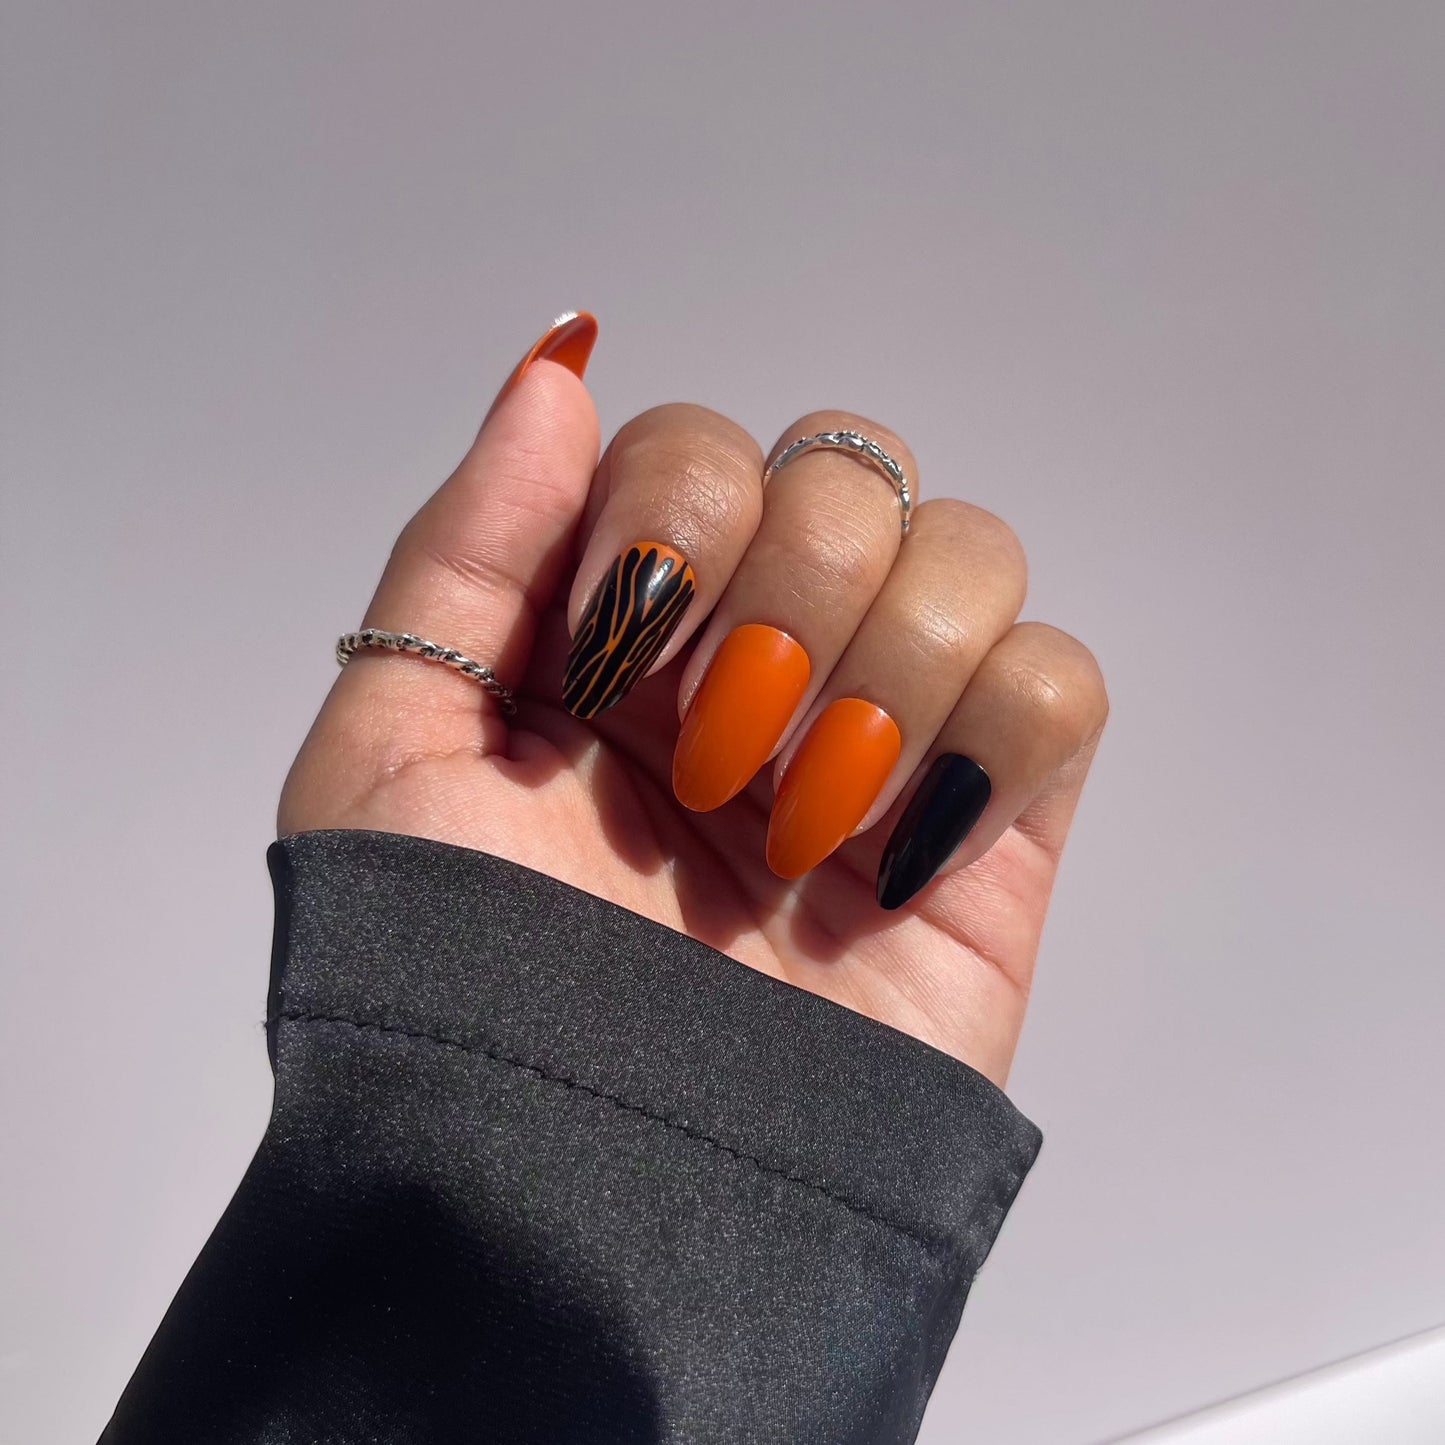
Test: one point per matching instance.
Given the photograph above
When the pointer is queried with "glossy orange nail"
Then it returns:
(831, 783)
(569, 342)
(751, 691)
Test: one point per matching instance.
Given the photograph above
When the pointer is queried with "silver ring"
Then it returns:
(859, 445)
(348, 643)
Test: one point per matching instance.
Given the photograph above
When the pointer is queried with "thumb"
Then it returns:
(479, 563)
(568, 342)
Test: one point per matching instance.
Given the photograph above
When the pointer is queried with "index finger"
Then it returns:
(680, 491)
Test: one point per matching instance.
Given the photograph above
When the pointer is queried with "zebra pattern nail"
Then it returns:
(635, 610)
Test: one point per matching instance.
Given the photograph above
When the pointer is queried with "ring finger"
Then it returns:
(829, 535)
(955, 590)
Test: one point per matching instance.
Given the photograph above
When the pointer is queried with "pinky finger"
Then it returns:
(1015, 750)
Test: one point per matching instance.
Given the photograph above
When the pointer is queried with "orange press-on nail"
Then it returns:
(834, 778)
(749, 695)
(568, 342)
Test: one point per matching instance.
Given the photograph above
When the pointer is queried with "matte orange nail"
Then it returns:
(833, 780)
(569, 342)
(751, 691)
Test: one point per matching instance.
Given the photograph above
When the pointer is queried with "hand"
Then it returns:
(921, 634)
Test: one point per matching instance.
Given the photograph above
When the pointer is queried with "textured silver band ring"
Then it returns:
(348, 644)
(859, 445)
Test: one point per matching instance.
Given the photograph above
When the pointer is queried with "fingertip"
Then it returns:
(568, 343)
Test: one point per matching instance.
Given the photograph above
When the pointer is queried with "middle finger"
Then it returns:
(829, 535)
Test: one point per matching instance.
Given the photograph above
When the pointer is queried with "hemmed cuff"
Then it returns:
(387, 932)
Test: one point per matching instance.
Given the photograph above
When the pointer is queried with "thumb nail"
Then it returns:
(568, 341)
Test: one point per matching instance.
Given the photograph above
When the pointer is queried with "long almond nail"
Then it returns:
(834, 778)
(949, 801)
(568, 341)
(751, 691)
(626, 626)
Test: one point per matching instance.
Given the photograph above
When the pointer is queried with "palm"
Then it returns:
(405, 746)
(591, 803)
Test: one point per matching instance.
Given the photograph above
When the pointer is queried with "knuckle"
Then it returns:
(966, 527)
(822, 563)
(843, 550)
(845, 565)
(535, 493)
(529, 457)
(486, 578)
(706, 501)
(939, 639)
(679, 428)
(1001, 540)
(1059, 679)
(703, 484)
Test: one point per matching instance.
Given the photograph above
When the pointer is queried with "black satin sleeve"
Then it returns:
(539, 1169)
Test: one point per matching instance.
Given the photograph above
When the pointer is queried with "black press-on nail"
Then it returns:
(949, 801)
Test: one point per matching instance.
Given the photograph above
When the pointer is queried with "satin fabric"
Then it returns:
(540, 1169)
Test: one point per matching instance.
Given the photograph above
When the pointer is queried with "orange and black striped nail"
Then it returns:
(626, 626)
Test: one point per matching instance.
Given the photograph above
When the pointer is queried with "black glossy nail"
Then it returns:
(949, 801)
(626, 626)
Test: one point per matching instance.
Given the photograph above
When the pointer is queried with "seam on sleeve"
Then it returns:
(303, 1016)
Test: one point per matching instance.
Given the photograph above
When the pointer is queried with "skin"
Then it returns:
(500, 563)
